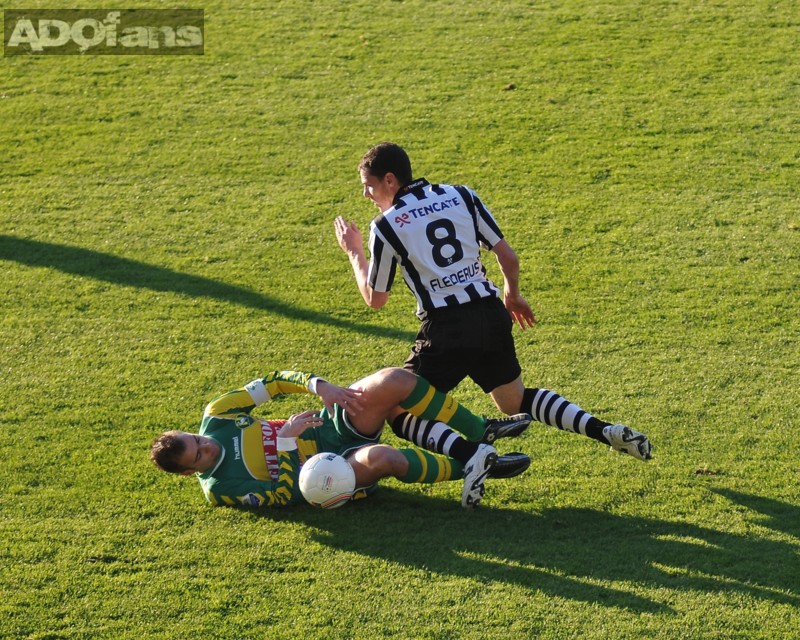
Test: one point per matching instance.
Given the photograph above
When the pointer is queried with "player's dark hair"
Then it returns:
(387, 157)
(166, 450)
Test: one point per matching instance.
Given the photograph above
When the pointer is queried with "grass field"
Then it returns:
(166, 235)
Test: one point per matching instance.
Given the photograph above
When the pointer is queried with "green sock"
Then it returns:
(427, 467)
(426, 402)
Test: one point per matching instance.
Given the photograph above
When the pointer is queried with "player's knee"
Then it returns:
(388, 387)
(398, 378)
(389, 373)
(378, 461)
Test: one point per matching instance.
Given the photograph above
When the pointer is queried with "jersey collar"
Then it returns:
(419, 183)
(211, 471)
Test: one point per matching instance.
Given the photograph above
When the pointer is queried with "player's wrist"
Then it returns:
(313, 384)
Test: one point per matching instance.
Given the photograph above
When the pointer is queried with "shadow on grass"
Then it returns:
(132, 273)
(563, 552)
(777, 515)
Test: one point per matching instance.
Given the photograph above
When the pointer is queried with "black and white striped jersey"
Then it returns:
(435, 233)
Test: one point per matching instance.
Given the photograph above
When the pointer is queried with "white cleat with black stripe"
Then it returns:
(627, 440)
(475, 474)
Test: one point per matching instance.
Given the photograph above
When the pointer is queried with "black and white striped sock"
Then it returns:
(553, 410)
(434, 436)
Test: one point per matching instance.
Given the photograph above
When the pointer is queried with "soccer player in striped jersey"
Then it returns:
(434, 233)
(244, 460)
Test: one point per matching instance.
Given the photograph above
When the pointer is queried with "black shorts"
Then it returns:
(472, 340)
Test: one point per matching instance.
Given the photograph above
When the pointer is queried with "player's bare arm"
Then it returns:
(352, 243)
(517, 306)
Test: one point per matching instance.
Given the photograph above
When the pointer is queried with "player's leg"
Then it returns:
(381, 391)
(418, 466)
(439, 438)
(497, 371)
(433, 435)
(508, 397)
(554, 410)
(389, 388)
(378, 461)
(549, 408)
(479, 459)
(424, 401)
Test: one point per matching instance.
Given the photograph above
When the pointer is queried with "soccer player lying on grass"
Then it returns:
(244, 460)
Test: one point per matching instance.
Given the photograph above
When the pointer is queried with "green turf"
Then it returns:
(166, 235)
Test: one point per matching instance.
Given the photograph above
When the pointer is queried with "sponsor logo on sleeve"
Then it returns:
(251, 500)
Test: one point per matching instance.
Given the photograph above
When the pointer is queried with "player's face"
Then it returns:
(200, 455)
(380, 190)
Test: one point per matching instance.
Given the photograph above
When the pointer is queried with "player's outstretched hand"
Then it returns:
(348, 235)
(348, 399)
(298, 423)
(520, 311)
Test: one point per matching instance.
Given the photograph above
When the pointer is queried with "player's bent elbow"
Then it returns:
(506, 256)
(376, 299)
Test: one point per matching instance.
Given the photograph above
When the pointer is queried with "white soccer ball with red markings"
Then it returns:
(327, 480)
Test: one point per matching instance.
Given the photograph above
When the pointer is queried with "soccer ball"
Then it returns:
(327, 480)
